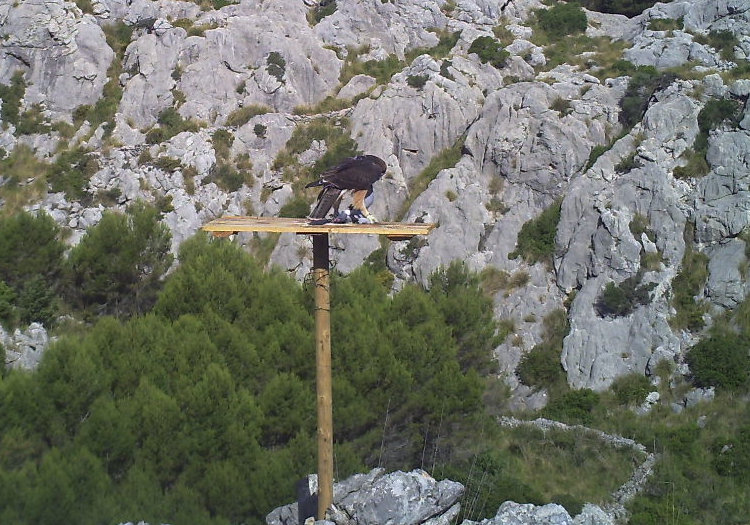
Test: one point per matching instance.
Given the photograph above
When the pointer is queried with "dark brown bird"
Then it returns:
(355, 174)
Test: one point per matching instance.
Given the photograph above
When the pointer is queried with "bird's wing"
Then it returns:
(326, 198)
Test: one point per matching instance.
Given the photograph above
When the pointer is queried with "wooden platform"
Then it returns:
(399, 231)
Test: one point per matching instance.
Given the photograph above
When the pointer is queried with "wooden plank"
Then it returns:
(396, 230)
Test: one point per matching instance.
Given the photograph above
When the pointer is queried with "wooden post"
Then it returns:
(321, 277)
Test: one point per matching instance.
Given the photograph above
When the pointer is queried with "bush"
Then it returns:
(541, 367)
(489, 50)
(722, 360)
(644, 82)
(631, 389)
(71, 173)
(297, 207)
(417, 81)
(118, 265)
(686, 285)
(573, 407)
(618, 300)
(562, 19)
(276, 65)
(11, 96)
(323, 9)
(241, 116)
(536, 239)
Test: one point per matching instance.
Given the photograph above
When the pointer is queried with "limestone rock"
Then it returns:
(376, 497)
(63, 55)
(24, 348)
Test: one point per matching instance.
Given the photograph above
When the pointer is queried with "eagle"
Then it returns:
(355, 174)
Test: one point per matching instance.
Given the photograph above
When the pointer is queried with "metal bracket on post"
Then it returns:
(321, 277)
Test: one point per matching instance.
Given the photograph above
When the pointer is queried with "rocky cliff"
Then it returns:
(167, 95)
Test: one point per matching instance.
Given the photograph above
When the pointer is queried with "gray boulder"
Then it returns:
(400, 498)
(511, 513)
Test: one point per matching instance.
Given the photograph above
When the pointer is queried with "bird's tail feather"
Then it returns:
(326, 200)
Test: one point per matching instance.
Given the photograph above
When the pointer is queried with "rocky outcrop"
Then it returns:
(63, 55)
(24, 348)
(524, 133)
(376, 497)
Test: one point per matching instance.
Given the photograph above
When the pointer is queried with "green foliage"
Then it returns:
(628, 163)
(70, 173)
(665, 24)
(687, 285)
(644, 82)
(723, 41)
(222, 141)
(334, 133)
(118, 265)
(489, 50)
(319, 12)
(446, 159)
(573, 407)
(260, 131)
(297, 207)
(621, 299)
(417, 81)
(541, 366)
(721, 360)
(30, 268)
(276, 65)
(241, 116)
(715, 113)
(631, 389)
(536, 239)
(562, 19)
(11, 96)
(562, 106)
(170, 124)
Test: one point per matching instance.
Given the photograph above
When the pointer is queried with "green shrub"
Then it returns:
(417, 81)
(627, 164)
(631, 389)
(71, 173)
(118, 265)
(721, 360)
(260, 131)
(489, 50)
(665, 24)
(618, 300)
(536, 239)
(11, 96)
(573, 407)
(241, 116)
(222, 141)
(644, 82)
(276, 65)
(723, 41)
(227, 177)
(562, 19)
(696, 165)
(319, 12)
(297, 207)
(686, 285)
(541, 366)
(170, 123)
